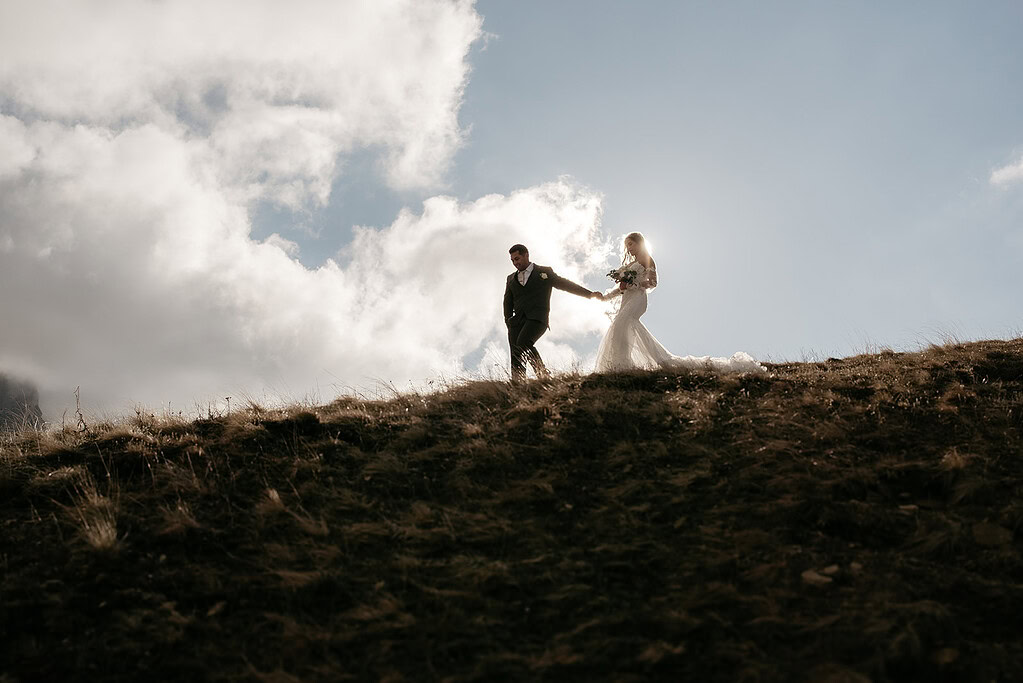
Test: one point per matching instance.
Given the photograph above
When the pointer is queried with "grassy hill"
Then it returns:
(852, 520)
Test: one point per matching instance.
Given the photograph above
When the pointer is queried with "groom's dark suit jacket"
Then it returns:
(532, 301)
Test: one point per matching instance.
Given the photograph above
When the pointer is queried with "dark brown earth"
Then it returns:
(852, 520)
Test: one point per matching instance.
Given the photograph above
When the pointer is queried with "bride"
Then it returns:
(628, 344)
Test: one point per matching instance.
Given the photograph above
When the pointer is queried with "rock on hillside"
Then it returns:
(19, 404)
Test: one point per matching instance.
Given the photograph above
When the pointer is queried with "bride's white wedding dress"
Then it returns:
(628, 344)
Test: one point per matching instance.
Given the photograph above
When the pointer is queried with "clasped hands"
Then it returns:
(600, 295)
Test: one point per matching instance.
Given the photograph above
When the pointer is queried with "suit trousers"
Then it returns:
(522, 338)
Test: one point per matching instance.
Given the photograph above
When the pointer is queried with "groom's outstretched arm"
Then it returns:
(509, 302)
(564, 285)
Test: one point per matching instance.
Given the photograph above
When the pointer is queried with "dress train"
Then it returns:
(629, 345)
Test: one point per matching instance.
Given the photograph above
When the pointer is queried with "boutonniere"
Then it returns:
(543, 276)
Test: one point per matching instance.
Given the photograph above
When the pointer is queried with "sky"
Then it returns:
(287, 202)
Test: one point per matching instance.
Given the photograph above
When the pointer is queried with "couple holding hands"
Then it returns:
(627, 344)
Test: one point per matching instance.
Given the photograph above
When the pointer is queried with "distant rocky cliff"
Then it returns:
(19, 404)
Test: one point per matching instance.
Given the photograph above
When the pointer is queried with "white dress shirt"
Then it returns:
(523, 275)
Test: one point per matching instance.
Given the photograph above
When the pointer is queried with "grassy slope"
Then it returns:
(638, 526)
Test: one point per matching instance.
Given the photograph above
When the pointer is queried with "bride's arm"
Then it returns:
(612, 293)
(649, 279)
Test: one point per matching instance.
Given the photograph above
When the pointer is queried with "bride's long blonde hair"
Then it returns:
(638, 238)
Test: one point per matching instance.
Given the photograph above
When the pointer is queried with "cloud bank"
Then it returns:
(275, 94)
(135, 139)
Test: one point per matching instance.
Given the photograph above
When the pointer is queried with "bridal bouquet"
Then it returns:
(626, 276)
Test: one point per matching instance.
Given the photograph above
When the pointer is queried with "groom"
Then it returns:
(527, 309)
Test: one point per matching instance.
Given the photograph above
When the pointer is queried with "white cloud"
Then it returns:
(287, 246)
(134, 138)
(1006, 175)
(277, 93)
(15, 152)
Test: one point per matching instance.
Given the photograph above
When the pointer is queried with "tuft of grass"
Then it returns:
(177, 518)
(270, 503)
(95, 513)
